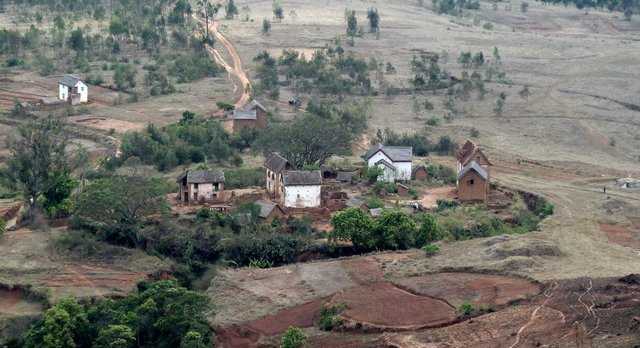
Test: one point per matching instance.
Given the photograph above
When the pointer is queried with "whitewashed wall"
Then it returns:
(302, 196)
(403, 169)
(63, 92)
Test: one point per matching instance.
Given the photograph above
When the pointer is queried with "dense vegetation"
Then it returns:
(160, 314)
(397, 230)
(420, 142)
(628, 7)
(323, 131)
(194, 139)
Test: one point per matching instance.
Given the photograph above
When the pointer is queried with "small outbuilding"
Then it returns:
(71, 89)
(199, 186)
(269, 211)
(420, 173)
(301, 189)
(473, 183)
(252, 116)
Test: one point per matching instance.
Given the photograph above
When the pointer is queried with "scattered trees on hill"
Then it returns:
(278, 11)
(627, 7)
(231, 9)
(352, 24)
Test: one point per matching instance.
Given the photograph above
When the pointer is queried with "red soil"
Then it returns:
(384, 306)
(248, 335)
(364, 270)
(479, 289)
(9, 299)
(622, 235)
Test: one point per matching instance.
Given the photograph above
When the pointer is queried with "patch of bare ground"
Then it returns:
(385, 307)
(622, 235)
(27, 257)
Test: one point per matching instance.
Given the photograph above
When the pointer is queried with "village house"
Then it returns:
(269, 211)
(71, 89)
(199, 186)
(252, 116)
(301, 189)
(395, 162)
(275, 166)
(471, 152)
(473, 183)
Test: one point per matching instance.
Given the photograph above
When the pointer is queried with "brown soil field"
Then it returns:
(385, 307)
(622, 235)
(13, 302)
(479, 289)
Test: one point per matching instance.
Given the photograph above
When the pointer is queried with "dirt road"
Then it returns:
(235, 70)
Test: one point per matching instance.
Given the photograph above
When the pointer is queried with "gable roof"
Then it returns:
(69, 80)
(474, 166)
(255, 105)
(244, 115)
(302, 177)
(386, 164)
(202, 176)
(395, 153)
(275, 162)
(266, 208)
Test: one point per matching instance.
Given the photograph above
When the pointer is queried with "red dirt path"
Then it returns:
(385, 306)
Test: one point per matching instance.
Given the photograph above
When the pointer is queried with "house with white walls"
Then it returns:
(71, 89)
(395, 162)
(301, 189)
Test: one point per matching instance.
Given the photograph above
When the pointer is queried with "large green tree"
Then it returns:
(353, 225)
(41, 161)
(116, 207)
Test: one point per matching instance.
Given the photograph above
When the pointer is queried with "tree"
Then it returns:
(77, 40)
(266, 26)
(116, 336)
(125, 76)
(500, 104)
(524, 92)
(209, 11)
(193, 339)
(293, 338)
(278, 12)
(231, 9)
(308, 140)
(355, 226)
(352, 24)
(41, 161)
(116, 207)
(374, 20)
(394, 229)
(524, 6)
(428, 231)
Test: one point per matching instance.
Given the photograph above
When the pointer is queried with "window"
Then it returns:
(470, 182)
(195, 186)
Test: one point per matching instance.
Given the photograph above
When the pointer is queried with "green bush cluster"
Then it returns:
(293, 338)
(420, 142)
(330, 317)
(160, 314)
(192, 140)
(244, 177)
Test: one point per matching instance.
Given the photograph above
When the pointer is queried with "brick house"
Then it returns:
(199, 186)
(252, 116)
(473, 183)
(471, 152)
(275, 166)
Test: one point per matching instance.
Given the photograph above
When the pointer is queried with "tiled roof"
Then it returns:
(275, 162)
(302, 177)
(202, 176)
(69, 80)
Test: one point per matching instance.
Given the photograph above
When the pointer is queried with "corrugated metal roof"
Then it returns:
(473, 165)
(69, 80)
(395, 153)
(265, 208)
(302, 177)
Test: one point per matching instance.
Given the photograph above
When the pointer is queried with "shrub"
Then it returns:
(353, 225)
(445, 204)
(374, 203)
(428, 232)
(466, 309)
(293, 338)
(278, 249)
(194, 66)
(3, 227)
(244, 177)
(394, 229)
(260, 264)
(329, 317)
(431, 249)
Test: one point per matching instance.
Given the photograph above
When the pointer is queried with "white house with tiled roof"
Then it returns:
(73, 90)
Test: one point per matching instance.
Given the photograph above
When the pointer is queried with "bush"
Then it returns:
(428, 232)
(431, 249)
(194, 66)
(466, 309)
(244, 177)
(277, 249)
(444, 204)
(293, 338)
(329, 317)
